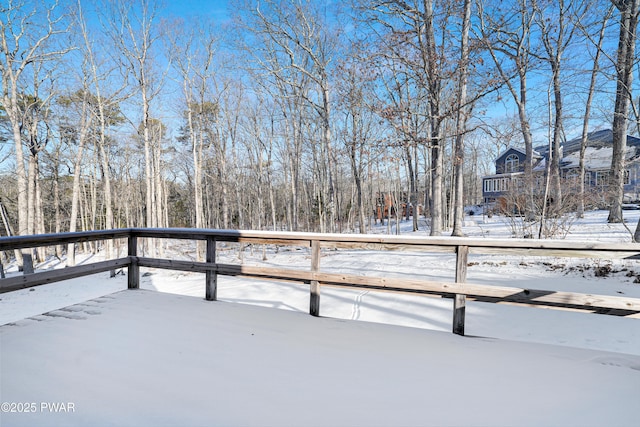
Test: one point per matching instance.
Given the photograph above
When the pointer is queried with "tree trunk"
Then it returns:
(587, 113)
(22, 182)
(624, 69)
(23, 38)
(461, 119)
(556, 188)
(75, 199)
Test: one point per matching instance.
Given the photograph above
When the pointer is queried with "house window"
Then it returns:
(511, 163)
(496, 185)
(602, 178)
(571, 175)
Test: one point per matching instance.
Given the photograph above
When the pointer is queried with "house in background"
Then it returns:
(509, 167)
(389, 204)
(599, 151)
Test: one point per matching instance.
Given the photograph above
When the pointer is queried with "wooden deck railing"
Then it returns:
(458, 288)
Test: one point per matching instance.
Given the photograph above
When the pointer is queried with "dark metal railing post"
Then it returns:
(211, 291)
(460, 300)
(133, 276)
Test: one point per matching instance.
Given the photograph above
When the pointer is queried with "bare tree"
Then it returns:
(133, 31)
(404, 107)
(99, 100)
(259, 144)
(298, 49)
(75, 131)
(461, 120)
(556, 30)
(412, 26)
(595, 69)
(506, 32)
(27, 33)
(434, 77)
(192, 48)
(358, 123)
(629, 10)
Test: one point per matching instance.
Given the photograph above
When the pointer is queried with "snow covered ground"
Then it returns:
(133, 349)
(142, 358)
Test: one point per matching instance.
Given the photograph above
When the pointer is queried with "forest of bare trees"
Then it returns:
(296, 114)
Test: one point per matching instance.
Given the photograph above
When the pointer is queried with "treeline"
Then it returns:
(292, 114)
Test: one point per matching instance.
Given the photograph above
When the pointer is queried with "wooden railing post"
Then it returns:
(133, 274)
(460, 300)
(27, 263)
(314, 296)
(211, 291)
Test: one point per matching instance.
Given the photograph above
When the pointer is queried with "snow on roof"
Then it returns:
(595, 140)
(599, 138)
(148, 358)
(597, 155)
(594, 158)
(541, 165)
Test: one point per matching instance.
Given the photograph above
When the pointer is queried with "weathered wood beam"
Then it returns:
(314, 291)
(487, 293)
(532, 247)
(50, 276)
(133, 273)
(211, 275)
(460, 300)
(39, 240)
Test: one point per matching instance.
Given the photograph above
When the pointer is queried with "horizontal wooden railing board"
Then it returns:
(50, 276)
(220, 235)
(517, 247)
(401, 247)
(554, 252)
(290, 237)
(486, 293)
(174, 264)
(534, 247)
(266, 273)
(39, 240)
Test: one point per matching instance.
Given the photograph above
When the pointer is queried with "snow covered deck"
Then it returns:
(145, 358)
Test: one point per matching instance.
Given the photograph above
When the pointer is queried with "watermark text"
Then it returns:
(37, 407)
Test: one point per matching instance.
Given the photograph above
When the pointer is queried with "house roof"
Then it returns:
(598, 153)
(595, 158)
(596, 139)
(519, 150)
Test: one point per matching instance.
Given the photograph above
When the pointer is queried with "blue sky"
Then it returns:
(216, 9)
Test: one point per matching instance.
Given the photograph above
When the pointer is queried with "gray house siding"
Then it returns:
(510, 165)
(504, 166)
